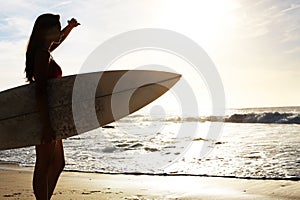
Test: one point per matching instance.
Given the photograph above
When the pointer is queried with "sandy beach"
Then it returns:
(16, 184)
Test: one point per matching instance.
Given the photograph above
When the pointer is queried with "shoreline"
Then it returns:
(11, 166)
(17, 184)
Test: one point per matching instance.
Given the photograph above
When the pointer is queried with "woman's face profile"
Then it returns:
(54, 34)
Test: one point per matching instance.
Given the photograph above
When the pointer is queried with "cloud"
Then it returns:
(293, 50)
(268, 17)
(15, 28)
(291, 8)
(60, 4)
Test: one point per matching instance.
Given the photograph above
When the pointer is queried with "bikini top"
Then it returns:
(54, 69)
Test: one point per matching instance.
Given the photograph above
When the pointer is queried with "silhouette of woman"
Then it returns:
(40, 66)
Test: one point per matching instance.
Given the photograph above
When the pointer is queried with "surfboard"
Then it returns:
(78, 103)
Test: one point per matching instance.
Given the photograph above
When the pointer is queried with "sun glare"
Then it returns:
(208, 21)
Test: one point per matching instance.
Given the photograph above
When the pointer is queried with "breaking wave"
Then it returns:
(265, 117)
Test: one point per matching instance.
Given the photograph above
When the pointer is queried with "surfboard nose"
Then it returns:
(131, 90)
(163, 76)
(155, 85)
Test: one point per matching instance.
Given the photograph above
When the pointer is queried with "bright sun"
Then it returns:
(208, 20)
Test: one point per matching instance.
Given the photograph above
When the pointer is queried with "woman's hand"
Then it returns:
(73, 23)
(48, 134)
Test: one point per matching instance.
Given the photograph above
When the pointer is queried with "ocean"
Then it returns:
(253, 143)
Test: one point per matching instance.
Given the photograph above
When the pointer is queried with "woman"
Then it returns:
(40, 66)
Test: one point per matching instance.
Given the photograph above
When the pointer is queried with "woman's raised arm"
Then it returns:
(65, 32)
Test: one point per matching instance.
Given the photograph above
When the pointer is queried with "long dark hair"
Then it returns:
(43, 23)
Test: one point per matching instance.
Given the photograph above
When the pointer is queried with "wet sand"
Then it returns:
(16, 183)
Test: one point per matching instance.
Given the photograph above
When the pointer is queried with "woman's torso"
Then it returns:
(54, 70)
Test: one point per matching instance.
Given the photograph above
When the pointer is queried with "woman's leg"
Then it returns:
(44, 156)
(56, 167)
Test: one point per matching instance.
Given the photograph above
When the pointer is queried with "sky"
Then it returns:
(254, 44)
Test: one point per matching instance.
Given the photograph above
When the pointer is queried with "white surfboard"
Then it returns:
(78, 103)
